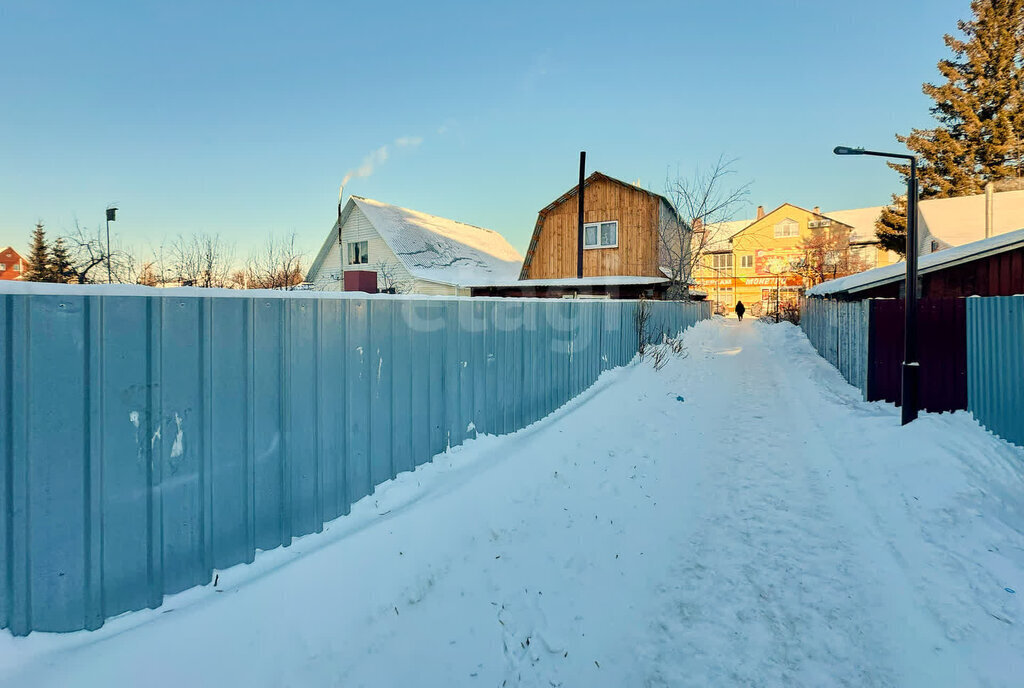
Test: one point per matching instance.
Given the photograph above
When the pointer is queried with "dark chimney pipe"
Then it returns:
(579, 229)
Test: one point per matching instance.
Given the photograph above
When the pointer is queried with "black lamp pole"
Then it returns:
(111, 212)
(911, 366)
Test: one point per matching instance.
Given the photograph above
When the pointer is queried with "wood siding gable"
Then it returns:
(552, 250)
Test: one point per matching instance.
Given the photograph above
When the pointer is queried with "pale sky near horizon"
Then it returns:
(241, 119)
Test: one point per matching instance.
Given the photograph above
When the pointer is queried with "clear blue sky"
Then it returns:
(242, 119)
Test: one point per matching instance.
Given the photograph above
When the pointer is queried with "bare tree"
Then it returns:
(276, 265)
(390, 280)
(827, 254)
(87, 253)
(201, 260)
(702, 202)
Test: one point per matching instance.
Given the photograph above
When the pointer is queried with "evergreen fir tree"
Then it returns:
(60, 263)
(891, 227)
(979, 109)
(39, 257)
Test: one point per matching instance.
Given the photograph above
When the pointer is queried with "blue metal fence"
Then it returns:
(995, 364)
(838, 331)
(149, 439)
(995, 353)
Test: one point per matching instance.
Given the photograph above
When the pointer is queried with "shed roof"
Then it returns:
(932, 262)
(433, 248)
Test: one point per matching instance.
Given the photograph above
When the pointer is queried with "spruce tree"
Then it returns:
(979, 109)
(891, 227)
(39, 257)
(60, 263)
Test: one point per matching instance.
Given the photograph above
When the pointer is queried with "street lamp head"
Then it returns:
(846, 150)
(111, 212)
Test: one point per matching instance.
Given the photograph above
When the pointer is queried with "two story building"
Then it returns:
(754, 261)
(12, 265)
(621, 245)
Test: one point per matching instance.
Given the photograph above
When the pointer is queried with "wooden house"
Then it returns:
(621, 246)
(12, 265)
(410, 251)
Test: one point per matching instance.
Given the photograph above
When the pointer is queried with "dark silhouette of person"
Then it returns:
(740, 310)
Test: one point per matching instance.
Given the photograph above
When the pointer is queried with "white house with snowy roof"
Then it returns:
(411, 252)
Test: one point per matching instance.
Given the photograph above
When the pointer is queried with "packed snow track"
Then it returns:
(738, 517)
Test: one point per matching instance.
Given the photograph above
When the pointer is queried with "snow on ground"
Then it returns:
(739, 517)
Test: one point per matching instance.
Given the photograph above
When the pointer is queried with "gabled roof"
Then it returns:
(925, 264)
(594, 177)
(723, 232)
(433, 248)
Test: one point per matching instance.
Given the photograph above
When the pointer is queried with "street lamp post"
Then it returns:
(111, 212)
(911, 366)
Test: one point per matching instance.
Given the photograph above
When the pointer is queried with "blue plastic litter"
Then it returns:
(680, 399)
(1010, 590)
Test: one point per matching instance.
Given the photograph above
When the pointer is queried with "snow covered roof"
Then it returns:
(719, 234)
(434, 248)
(862, 220)
(925, 264)
(957, 221)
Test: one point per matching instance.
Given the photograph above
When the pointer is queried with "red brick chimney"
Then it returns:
(760, 212)
(817, 210)
(698, 224)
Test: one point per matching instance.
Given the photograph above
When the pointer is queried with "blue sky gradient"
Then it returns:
(242, 118)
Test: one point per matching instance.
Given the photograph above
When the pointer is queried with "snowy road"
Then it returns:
(768, 529)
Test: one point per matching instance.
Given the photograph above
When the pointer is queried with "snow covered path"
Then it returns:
(767, 529)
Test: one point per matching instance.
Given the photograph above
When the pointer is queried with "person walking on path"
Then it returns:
(740, 310)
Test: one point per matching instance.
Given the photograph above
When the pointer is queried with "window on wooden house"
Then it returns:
(358, 253)
(601, 234)
(787, 228)
(3, 267)
(17, 267)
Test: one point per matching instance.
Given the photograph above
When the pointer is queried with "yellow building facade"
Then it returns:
(754, 264)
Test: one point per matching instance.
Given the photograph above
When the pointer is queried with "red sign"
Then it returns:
(764, 259)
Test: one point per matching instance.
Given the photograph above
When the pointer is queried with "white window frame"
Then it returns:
(3, 267)
(726, 258)
(597, 226)
(787, 223)
(365, 254)
(747, 261)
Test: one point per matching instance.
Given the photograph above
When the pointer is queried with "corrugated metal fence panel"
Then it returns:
(147, 441)
(995, 364)
(838, 331)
